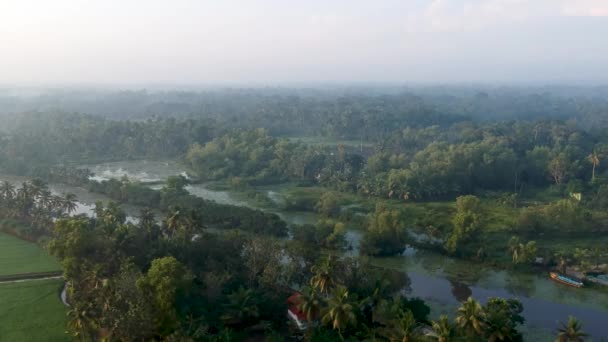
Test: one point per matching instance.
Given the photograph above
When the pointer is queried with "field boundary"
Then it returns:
(31, 276)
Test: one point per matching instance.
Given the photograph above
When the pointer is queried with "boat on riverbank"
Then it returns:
(565, 280)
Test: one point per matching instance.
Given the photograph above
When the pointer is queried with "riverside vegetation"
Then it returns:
(503, 190)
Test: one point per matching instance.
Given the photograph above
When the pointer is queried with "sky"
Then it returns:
(288, 41)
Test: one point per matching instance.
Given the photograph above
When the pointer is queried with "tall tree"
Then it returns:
(594, 159)
(442, 330)
(340, 312)
(572, 331)
(470, 318)
(310, 303)
(323, 278)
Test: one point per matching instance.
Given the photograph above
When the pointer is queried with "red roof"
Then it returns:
(294, 302)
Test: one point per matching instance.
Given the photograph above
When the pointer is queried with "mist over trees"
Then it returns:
(481, 175)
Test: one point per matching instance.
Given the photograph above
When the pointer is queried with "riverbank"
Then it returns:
(443, 281)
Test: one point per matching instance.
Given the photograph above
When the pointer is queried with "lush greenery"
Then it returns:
(175, 199)
(499, 176)
(30, 210)
(186, 284)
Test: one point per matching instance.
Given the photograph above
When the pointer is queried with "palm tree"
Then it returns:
(515, 247)
(25, 196)
(442, 330)
(78, 324)
(46, 200)
(594, 159)
(571, 331)
(322, 278)
(147, 222)
(339, 312)
(310, 303)
(70, 203)
(404, 328)
(470, 317)
(241, 306)
(7, 191)
(562, 263)
(173, 222)
(37, 187)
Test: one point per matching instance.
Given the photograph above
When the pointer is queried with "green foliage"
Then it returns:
(340, 311)
(466, 222)
(386, 232)
(522, 252)
(326, 233)
(40, 140)
(565, 216)
(165, 282)
(572, 331)
(328, 205)
(502, 318)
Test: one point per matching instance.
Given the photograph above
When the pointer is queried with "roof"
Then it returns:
(294, 302)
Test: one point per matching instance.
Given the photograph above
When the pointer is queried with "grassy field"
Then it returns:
(32, 311)
(18, 256)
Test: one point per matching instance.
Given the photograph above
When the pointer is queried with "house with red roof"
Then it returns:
(294, 312)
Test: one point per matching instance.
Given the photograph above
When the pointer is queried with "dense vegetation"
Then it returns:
(173, 198)
(497, 176)
(32, 209)
(148, 281)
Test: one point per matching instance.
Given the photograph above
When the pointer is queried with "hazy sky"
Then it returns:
(284, 41)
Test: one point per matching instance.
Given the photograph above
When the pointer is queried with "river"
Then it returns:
(441, 281)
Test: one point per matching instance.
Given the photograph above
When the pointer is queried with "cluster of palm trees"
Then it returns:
(34, 204)
(328, 305)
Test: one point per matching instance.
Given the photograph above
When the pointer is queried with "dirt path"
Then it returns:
(28, 279)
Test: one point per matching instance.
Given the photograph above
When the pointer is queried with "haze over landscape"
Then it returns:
(265, 170)
(270, 41)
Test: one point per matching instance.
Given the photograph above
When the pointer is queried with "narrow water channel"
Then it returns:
(441, 281)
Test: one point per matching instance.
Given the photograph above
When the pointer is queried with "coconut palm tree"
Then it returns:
(403, 328)
(25, 196)
(7, 191)
(241, 306)
(339, 313)
(442, 330)
(173, 222)
(70, 203)
(322, 279)
(147, 222)
(470, 318)
(571, 331)
(515, 247)
(310, 303)
(79, 324)
(562, 261)
(37, 187)
(594, 159)
(45, 200)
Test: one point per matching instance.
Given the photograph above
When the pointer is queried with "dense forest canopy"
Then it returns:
(484, 174)
(330, 111)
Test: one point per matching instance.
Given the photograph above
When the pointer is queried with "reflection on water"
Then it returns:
(139, 170)
(444, 282)
(460, 291)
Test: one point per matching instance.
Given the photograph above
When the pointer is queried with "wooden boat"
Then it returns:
(565, 280)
